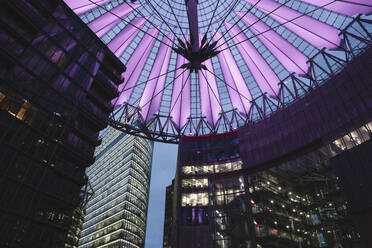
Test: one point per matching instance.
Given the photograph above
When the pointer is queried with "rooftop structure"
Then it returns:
(200, 67)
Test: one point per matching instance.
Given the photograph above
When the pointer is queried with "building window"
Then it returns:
(195, 183)
(195, 199)
(210, 169)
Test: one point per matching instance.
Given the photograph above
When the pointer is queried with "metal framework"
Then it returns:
(206, 67)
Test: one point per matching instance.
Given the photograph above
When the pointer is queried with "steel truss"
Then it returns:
(323, 66)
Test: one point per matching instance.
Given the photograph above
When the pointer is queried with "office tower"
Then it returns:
(56, 84)
(168, 216)
(120, 177)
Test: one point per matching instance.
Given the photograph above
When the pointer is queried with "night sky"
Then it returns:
(163, 170)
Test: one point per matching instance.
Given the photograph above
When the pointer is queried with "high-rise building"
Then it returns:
(57, 80)
(168, 216)
(120, 177)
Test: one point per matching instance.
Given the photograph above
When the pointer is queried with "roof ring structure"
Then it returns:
(202, 67)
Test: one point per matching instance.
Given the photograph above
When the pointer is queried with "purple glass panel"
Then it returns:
(110, 17)
(261, 71)
(291, 58)
(151, 97)
(238, 90)
(125, 36)
(349, 7)
(135, 65)
(180, 104)
(315, 32)
(209, 97)
(82, 6)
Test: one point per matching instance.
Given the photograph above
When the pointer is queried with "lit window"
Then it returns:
(199, 183)
(195, 199)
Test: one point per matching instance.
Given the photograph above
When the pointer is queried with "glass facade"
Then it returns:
(297, 203)
(120, 177)
(202, 163)
(57, 80)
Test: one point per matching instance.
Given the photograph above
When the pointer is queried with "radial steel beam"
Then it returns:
(192, 15)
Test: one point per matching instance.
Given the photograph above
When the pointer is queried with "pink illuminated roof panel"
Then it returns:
(82, 6)
(346, 7)
(289, 56)
(239, 94)
(152, 95)
(261, 71)
(315, 32)
(209, 96)
(180, 103)
(121, 42)
(111, 17)
(135, 65)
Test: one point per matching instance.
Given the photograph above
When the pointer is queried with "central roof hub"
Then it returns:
(196, 58)
(196, 54)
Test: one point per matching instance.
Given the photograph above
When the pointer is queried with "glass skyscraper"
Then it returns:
(120, 177)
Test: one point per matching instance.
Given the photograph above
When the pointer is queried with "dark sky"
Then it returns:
(163, 169)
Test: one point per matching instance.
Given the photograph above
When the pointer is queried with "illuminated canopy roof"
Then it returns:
(198, 67)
